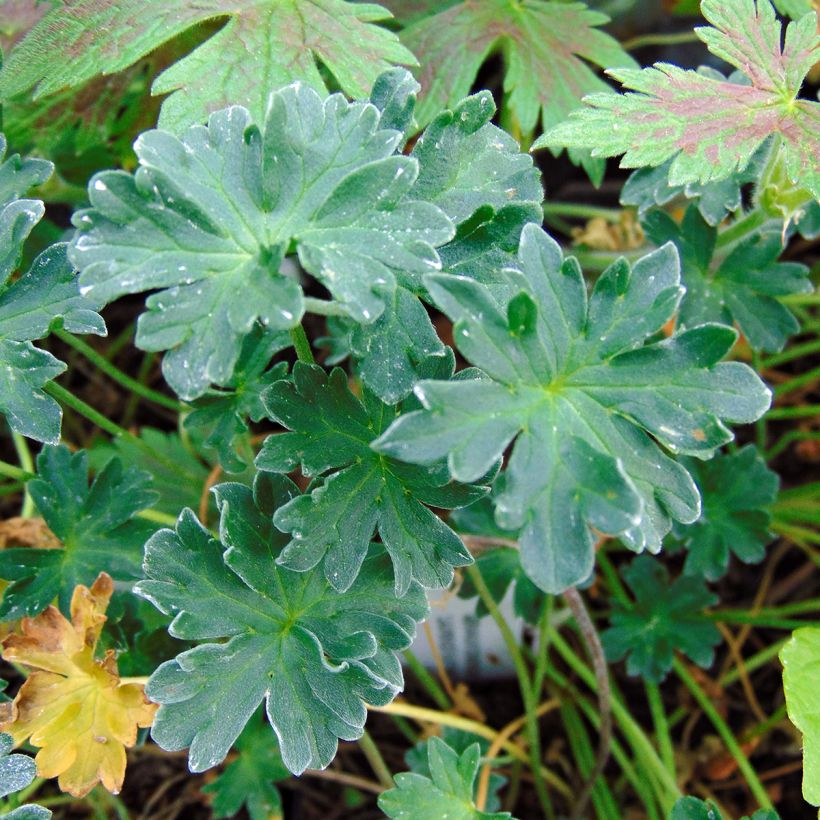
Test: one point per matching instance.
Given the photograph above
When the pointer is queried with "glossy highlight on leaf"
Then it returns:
(314, 656)
(580, 387)
(72, 706)
(710, 127)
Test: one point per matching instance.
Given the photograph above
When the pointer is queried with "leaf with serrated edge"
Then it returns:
(712, 127)
(573, 382)
(315, 656)
(93, 523)
(664, 617)
(546, 48)
(357, 491)
(280, 42)
(73, 707)
(741, 288)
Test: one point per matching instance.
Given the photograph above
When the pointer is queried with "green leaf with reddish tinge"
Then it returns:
(315, 657)
(665, 616)
(549, 51)
(579, 387)
(278, 40)
(357, 492)
(709, 126)
(741, 288)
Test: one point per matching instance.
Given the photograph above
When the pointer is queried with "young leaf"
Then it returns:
(315, 656)
(280, 42)
(801, 672)
(249, 780)
(222, 415)
(648, 188)
(17, 772)
(663, 618)
(711, 127)
(211, 215)
(736, 490)
(447, 792)
(93, 523)
(546, 47)
(741, 288)
(573, 382)
(357, 490)
(71, 706)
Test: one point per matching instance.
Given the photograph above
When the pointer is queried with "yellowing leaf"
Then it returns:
(72, 706)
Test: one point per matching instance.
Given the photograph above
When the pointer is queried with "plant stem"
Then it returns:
(27, 463)
(672, 39)
(653, 696)
(10, 471)
(748, 224)
(792, 353)
(430, 684)
(322, 307)
(473, 726)
(527, 695)
(572, 209)
(639, 741)
(302, 345)
(758, 791)
(805, 411)
(158, 517)
(116, 374)
(599, 665)
(375, 759)
(797, 382)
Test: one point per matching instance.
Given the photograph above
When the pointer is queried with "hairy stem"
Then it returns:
(599, 665)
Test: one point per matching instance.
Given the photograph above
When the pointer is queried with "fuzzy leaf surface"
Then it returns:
(711, 127)
(94, 524)
(356, 490)
(741, 289)
(48, 291)
(801, 672)
(17, 772)
(693, 808)
(664, 617)
(73, 707)
(278, 40)
(315, 656)
(447, 792)
(572, 380)
(549, 50)
(736, 489)
(210, 216)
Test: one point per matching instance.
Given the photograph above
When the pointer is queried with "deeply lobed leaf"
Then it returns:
(315, 656)
(94, 523)
(710, 127)
(356, 491)
(572, 381)
(73, 707)
(280, 40)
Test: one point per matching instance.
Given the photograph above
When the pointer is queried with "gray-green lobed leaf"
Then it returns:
(266, 633)
(29, 305)
(357, 491)
(580, 388)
